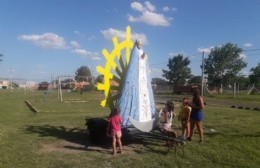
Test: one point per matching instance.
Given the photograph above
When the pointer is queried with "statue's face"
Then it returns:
(139, 45)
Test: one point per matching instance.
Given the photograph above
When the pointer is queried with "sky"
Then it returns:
(43, 39)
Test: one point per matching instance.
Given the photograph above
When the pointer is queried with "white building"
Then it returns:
(4, 84)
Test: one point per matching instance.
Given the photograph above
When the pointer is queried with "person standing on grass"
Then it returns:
(184, 117)
(114, 129)
(196, 116)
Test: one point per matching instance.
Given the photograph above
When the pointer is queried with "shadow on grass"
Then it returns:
(255, 135)
(78, 138)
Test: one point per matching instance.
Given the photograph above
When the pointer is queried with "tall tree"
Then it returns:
(224, 64)
(255, 75)
(178, 70)
(83, 74)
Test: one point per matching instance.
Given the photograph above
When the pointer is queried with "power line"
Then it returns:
(192, 55)
(159, 63)
(247, 50)
(255, 54)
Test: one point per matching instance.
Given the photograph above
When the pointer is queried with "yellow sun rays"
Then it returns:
(111, 58)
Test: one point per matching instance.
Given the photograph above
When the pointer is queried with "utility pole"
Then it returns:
(202, 75)
(11, 79)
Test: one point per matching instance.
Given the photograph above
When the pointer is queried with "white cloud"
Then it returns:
(173, 54)
(74, 44)
(166, 9)
(141, 8)
(243, 56)
(85, 53)
(109, 33)
(81, 52)
(248, 45)
(137, 36)
(205, 50)
(148, 15)
(46, 40)
(149, 6)
(150, 18)
(78, 33)
(96, 58)
(76, 49)
(156, 72)
(137, 6)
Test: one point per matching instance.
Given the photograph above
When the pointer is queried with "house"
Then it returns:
(4, 84)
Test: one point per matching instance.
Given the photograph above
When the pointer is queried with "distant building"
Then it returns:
(4, 84)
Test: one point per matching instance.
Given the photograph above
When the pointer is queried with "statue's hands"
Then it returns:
(143, 56)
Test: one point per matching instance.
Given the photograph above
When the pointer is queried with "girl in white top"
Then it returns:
(169, 114)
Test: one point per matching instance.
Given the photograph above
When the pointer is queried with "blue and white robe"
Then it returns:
(136, 99)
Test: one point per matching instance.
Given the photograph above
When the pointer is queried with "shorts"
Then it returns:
(167, 126)
(184, 122)
(196, 115)
(117, 134)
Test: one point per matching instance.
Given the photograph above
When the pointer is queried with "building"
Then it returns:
(4, 84)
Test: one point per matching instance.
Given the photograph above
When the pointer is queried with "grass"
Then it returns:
(56, 136)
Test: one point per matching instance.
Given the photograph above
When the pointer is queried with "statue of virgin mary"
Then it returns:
(136, 100)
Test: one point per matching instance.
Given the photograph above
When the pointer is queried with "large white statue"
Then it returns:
(136, 100)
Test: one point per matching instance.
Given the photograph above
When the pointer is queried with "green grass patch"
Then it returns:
(57, 136)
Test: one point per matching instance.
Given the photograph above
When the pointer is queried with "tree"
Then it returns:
(243, 82)
(255, 75)
(67, 83)
(224, 64)
(83, 74)
(178, 70)
(99, 79)
(159, 81)
(195, 80)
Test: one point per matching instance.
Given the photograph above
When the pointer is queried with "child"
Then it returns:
(114, 129)
(184, 117)
(169, 114)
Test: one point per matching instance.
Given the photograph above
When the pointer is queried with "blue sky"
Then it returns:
(44, 38)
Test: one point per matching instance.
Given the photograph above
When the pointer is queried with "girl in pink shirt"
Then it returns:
(114, 129)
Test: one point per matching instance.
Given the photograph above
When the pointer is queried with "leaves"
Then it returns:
(83, 74)
(178, 70)
(224, 64)
(255, 75)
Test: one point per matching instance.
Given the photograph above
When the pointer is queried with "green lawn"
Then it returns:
(57, 137)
